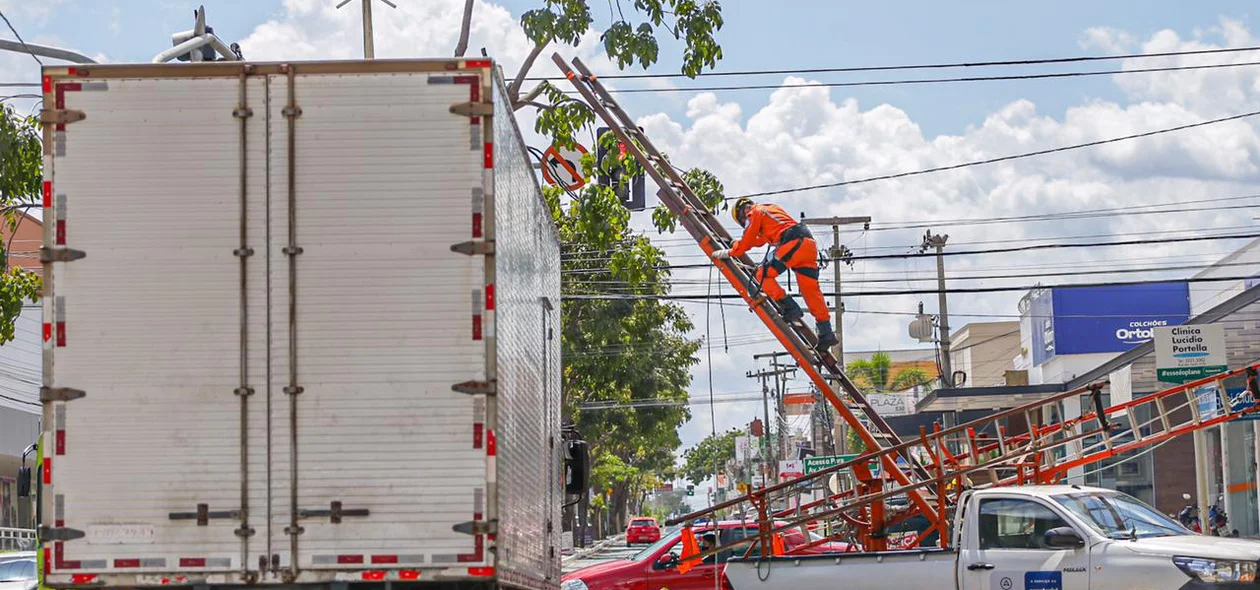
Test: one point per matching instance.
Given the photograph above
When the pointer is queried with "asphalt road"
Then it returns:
(612, 550)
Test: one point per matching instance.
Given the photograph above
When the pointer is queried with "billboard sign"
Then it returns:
(1086, 320)
(1189, 353)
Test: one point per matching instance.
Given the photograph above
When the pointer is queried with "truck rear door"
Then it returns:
(255, 323)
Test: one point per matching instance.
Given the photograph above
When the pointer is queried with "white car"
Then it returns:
(18, 571)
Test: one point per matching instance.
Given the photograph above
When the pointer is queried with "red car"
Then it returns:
(657, 565)
(642, 530)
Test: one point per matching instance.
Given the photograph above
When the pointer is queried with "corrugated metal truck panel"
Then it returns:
(148, 323)
(528, 308)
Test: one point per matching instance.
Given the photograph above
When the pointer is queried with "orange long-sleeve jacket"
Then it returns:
(766, 224)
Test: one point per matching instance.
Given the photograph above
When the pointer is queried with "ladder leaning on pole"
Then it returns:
(796, 337)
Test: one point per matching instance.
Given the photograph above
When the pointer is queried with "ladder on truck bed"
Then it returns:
(1058, 433)
(796, 337)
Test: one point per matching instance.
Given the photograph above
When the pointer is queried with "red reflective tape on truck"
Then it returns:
(349, 559)
(478, 435)
(408, 575)
(60, 445)
(481, 572)
(59, 552)
(489, 155)
(491, 449)
(61, 333)
(47, 331)
(47, 470)
(490, 297)
(126, 563)
(476, 326)
(47, 560)
(61, 232)
(47, 84)
(477, 63)
(192, 562)
(476, 222)
(474, 95)
(47, 194)
(82, 578)
(374, 576)
(384, 559)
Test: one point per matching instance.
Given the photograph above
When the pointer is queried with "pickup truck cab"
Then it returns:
(1030, 538)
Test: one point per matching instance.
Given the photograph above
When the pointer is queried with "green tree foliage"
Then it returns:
(21, 164)
(876, 376)
(620, 351)
(700, 461)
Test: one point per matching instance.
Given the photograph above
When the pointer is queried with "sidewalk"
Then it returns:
(593, 549)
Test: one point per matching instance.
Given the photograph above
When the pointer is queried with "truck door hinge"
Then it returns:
(47, 254)
(473, 109)
(471, 248)
(476, 387)
(47, 533)
(334, 513)
(60, 394)
(60, 116)
(477, 527)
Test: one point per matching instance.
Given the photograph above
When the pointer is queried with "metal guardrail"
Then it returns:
(17, 539)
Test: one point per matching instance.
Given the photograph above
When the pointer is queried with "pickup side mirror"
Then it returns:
(1064, 537)
(24, 482)
(665, 562)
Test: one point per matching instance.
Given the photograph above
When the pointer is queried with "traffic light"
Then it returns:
(631, 193)
(691, 490)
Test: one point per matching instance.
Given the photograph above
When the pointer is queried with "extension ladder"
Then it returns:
(796, 337)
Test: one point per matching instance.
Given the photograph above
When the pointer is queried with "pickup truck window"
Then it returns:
(1009, 523)
(1120, 516)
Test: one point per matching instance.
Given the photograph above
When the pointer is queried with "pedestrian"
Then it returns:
(795, 249)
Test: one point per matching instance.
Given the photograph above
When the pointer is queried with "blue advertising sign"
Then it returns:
(1088, 320)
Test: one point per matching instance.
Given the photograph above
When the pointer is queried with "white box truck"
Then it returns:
(301, 326)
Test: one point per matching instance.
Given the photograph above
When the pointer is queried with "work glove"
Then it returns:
(721, 254)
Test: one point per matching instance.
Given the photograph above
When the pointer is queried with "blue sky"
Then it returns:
(760, 140)
(757, 35)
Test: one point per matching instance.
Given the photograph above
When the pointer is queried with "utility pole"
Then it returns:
(937, 241)
(369, 52)
(838, 254)
(772, 466)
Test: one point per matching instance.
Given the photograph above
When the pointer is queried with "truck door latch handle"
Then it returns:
(980, 566)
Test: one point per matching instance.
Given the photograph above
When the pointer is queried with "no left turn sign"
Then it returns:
(562, 166)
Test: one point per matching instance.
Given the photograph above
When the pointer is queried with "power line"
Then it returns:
(1007, 250)
(671, 297)
(921, 81)
(930, 66)
(1003, 158)
(19, 38)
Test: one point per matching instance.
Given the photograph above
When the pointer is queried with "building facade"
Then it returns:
(20, 375)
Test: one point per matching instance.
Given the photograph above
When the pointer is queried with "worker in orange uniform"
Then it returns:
(794, 248)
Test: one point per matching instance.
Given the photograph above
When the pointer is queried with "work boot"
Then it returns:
(791, 311)
(826, 336)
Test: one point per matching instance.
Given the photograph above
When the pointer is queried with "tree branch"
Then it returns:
(462, 46)
(516, 106)
(514, 91)
(532, 94)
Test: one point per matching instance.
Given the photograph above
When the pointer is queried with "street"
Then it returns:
(614, 549)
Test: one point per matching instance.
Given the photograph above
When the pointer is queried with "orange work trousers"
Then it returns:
(801, 256)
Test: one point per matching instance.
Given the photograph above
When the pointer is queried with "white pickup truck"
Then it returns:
(1029, 538)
